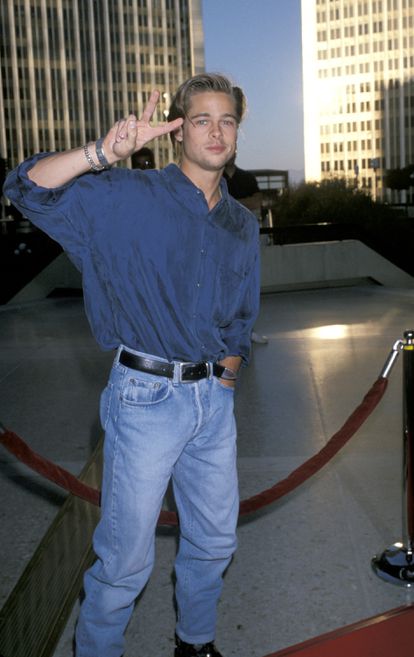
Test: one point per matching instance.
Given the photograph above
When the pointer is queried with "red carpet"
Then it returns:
(388, 635)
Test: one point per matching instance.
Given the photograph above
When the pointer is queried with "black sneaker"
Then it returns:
(183, 649)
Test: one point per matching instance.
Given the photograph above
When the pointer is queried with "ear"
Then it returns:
(178, 134)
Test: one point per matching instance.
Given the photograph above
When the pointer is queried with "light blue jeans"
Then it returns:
(158, 428)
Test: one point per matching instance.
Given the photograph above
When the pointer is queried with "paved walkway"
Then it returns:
(303, 565)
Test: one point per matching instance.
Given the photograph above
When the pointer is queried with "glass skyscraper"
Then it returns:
(71, 68)
(358, 75)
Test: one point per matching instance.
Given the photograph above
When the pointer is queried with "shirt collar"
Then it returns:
(182, 186)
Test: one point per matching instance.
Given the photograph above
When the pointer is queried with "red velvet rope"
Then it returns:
(72, 484)
(316, 462)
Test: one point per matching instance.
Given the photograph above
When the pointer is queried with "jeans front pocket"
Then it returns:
(220, 384)
(138, 391)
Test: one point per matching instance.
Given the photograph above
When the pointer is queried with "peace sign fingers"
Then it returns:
(130, 134)
(150, 107)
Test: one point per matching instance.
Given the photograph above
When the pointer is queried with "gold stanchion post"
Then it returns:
(396, 564)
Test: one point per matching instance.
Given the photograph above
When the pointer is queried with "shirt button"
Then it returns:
(198, 284)
(202, 251)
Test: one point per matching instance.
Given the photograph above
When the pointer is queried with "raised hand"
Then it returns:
(130, 134)
(123, 139)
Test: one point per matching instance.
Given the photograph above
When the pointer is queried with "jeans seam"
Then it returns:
(187, 560)
(114, 470)
(114, 500)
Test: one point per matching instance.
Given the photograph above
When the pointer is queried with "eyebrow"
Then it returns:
(207, 115)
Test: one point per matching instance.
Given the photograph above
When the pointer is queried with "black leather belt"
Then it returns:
(186, 371)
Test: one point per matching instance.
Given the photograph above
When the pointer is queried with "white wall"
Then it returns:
(326, 263)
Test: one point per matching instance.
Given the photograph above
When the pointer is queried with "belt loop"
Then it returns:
(210, 369)
(118, 353)
(177, 374)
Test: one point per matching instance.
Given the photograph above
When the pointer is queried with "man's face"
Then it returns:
(209, 133)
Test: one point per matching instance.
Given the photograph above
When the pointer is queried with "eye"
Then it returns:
(202, 122)
(229, 123)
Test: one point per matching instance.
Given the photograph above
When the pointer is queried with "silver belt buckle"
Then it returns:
(179, 367)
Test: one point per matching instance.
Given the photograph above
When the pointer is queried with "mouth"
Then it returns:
(216, 148)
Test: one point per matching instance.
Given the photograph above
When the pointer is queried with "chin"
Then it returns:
(215, 167)
(220, 164)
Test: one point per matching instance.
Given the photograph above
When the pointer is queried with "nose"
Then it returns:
(216, 129)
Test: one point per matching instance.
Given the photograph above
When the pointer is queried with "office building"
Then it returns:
(358, 72)
(70, 68)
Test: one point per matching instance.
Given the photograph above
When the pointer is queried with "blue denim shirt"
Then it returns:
(161, 272)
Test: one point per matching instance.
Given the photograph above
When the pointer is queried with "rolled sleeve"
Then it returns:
(57, 211)
(237, 335)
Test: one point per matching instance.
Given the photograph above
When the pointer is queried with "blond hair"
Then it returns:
(198, 84)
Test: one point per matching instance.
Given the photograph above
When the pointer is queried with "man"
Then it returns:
(243, 186)
(171, 280)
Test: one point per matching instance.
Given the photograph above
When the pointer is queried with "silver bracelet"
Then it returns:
(94, 167)
(100, 153)
(228, 374)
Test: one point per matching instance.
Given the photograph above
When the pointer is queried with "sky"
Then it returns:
(257, 43)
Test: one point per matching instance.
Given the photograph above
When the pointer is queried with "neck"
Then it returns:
(214, 197)
(230, 169)
(207, 181)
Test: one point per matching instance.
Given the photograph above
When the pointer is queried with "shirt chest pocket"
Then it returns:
(229, 291)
